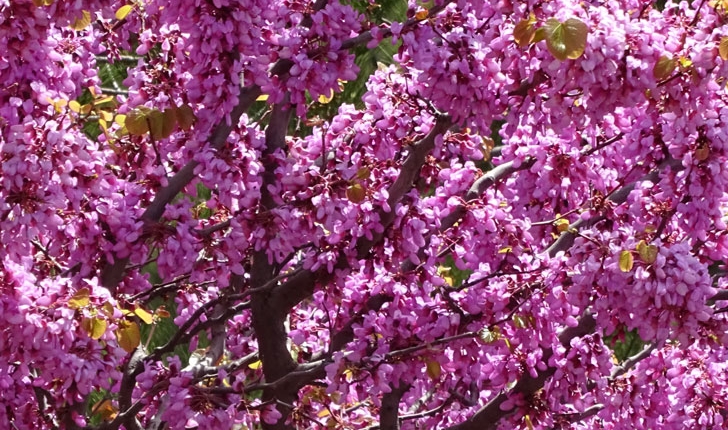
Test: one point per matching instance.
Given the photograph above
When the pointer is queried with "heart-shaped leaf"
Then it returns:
(566, 40)
(524, 31)
(95, 327)
(128, 335)
(664, 68)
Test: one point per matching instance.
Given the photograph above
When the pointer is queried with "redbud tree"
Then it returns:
(517, 220)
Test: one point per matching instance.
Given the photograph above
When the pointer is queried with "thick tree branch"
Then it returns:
(389, 411)
(269, 319)
(112, 274)
(302, 285)
(409, 172)
(617, 372)
(476, 190)
(346, 334)
(133, 368)
(488, 417)
(567, 238)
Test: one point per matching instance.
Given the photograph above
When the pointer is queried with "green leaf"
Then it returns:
(123, 11)
(356, 193)
(723, 48)
(80, 299)
(95, 327)
(136, 121)
(144, 315)
(647, 253)
(664, 68)
(434, 370)
(82, 22)
(363, 173)
(524, 31)
(539, 35)
(519, 321)
(128, 335)
(185, 117)
(626, 261)
(566, 40)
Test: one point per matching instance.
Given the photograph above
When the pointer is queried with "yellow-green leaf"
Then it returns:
(363, 173)
(702, 152)
(120, 119)
(262, 98)
(58, 105)
(487, 148)
(723, 48)
(82, 22)
(664, 68)
(163, 123)
(626, 261)
(489, 336)
(128, 335)
(136, 121)
(74, 106)
(105, 102)
(356, 193)
(256, 365)
(524, 31)
(144, 315)
(185, 117)
(108, 309)
(323, 99)
(106, 116)
(123, 11)
(105, 410)
(519, 321)
(155, 122)
(647, 253)
(80, 299)
(561, 224)
(95, 327)
(539, 35)
(566, 40)
(434, 370)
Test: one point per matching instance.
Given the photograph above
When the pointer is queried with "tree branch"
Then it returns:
(567, 238)
(389, 412)
(302, 286)
(488, 417)
(267, 318)
(476, 190)
(617, 372)
(112, 274)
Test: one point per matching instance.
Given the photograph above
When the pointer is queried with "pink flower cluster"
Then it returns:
(252, 265)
